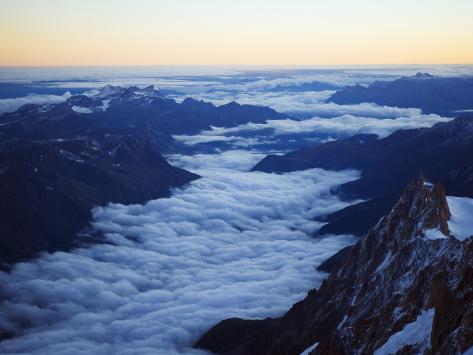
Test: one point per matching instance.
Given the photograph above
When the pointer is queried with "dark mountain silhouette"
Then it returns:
(440, 95)
(48, 188)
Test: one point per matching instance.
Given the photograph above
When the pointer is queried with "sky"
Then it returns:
(229, 32)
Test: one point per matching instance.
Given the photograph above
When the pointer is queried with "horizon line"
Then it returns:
(237, 65)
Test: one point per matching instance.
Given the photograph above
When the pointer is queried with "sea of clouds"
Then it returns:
(233, 243)
(326, 128)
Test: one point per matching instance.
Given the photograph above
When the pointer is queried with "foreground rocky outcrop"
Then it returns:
(405, 288)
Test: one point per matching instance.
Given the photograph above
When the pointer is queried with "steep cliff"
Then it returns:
(405, 288)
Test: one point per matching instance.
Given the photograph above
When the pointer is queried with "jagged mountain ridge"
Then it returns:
(390, 279)
(126, 107)
(443, 152)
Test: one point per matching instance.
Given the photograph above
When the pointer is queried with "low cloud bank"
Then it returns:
(313, 119)
(308, 104)
(326, 128)
(11, 105)
(233, 243)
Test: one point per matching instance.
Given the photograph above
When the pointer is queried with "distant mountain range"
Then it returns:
(114, 108)
(58, 161)
(441, 95)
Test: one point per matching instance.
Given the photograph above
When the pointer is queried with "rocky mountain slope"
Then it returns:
(441, 95)
(443, 152)
(48, 188)
(405, 288)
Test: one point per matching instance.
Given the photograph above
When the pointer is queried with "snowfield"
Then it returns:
(417, 332)
(461, 223)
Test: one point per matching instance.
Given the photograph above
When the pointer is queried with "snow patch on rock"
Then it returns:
(310, 349)
(433, 234)
(80, 109)
(417, 332)
(105, 104)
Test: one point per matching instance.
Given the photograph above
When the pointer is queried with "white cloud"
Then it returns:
(233, 243)
(205, 164)
(10, 105)
(349, 125)
(211, 136)
(307, 104)
(337, 127)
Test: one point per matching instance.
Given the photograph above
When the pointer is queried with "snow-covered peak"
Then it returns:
(109, 90)
(101, 100)
(130, 92)
(422, 207)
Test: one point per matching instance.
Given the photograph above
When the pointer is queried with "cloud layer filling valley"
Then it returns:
(233, 243)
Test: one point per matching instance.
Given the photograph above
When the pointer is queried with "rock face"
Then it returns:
(443, 152)
(444, 96)
(393, 280)
(47, 189)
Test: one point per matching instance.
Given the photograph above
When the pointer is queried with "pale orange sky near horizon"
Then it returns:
(224, 32)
